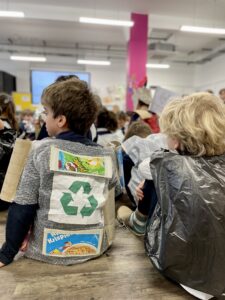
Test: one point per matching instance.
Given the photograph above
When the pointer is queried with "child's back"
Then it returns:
(67, 188)
(185, 235)
(54, 213)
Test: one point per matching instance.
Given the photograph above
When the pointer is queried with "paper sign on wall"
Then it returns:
(23, 101)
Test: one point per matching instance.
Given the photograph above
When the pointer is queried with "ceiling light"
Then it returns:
(106, 22)
(94, 62)
(28, 58)
(197, 29)
(13, 14)
(158, 66)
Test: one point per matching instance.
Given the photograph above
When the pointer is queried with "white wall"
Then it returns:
(178, 78)
(211, 75)
(101, 77)
(20, 70)
(106, 81)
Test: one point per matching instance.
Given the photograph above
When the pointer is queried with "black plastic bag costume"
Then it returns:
(7, 140)
(185, 237)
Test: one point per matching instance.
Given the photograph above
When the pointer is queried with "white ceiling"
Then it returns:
(51, 27)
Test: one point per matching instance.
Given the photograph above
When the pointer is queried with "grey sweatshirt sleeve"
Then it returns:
(28, 189)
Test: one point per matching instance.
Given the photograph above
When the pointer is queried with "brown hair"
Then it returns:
(222, 91)
(73, 99)
(107, 119)
(122, 116)
(26, 112)
(66, 77)
(138, 128)
(197, 122)
(7, 110)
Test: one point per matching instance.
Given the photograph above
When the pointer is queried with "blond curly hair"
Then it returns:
(197, 122)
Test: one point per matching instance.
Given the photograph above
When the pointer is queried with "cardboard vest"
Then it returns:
(80, 199)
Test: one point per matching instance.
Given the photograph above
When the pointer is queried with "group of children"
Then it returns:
(175, 180)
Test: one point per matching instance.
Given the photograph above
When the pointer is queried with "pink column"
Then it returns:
(137, 55)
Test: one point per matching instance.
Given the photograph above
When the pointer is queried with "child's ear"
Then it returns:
(173, 143)
(176, 144)
(61, 121)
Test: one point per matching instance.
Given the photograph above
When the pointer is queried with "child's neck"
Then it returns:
(64, 129)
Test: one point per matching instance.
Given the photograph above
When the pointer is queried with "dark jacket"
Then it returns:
(7, 140)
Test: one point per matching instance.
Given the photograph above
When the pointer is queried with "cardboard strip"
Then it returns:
(17, 162)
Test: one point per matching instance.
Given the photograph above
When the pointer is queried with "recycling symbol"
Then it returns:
(67, 198)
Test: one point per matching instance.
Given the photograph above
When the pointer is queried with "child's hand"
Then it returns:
(139, 192)
(24, 245)
(1, 265)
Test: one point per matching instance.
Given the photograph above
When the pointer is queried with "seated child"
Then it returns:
(138, 128)
(65, 185)
(91, 134)
(8, 134)
(142, 97)
(123, 121)
(136, 148)
(26, 125)
(185, 233)
(107, 128)
(125, 164)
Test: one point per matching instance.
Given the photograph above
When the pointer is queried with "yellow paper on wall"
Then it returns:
(23, 101)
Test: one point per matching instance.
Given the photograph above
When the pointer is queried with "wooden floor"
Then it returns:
(124, 272)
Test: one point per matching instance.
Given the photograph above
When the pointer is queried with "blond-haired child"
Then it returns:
(185, 234)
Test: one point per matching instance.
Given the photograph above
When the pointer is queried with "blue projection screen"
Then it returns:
(41, 79)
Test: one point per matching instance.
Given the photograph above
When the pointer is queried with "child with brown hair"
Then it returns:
(107, 128)
(26, 125)
(8, 112)
(8, 134)
(135, 149)
(138, 128)
(185, 234)
(65, 185)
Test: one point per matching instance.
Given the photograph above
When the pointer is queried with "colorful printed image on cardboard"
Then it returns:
(81, 164)
(66, 162)
(65, 243)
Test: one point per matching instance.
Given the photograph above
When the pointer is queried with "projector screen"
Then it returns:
(41, 79)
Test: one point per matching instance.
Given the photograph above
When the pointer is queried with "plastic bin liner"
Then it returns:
(185, 237)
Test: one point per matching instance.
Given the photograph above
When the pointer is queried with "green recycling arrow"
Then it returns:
(86, 211)
(65, 201)
(76, 185)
